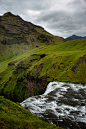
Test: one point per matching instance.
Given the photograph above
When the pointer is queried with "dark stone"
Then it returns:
(11, 63)
(42, 56)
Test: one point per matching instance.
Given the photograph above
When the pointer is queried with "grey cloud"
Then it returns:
(52, 16)
(39, 5)
(62, 22)
(77, 5)
(66, 22)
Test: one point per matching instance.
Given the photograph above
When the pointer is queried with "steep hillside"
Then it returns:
(13, 116)
(29, 73)
(18, 36)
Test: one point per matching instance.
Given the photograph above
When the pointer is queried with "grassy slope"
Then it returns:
(13, 116)
(10, 51)
(63, 62)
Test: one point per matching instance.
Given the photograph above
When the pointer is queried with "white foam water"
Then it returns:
(62, 104)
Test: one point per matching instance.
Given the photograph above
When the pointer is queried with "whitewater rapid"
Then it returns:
(62, 104)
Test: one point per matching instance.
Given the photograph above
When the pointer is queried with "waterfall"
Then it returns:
(62, 104)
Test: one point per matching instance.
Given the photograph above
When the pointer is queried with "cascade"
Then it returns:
(62, 104)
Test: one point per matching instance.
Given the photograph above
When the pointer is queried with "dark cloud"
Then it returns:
(66, 22)
(62, 18)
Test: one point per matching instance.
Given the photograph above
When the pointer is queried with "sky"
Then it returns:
(59, 17)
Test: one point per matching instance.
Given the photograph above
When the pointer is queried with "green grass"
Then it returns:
(13, 116)
(10, 51)
(60, 59)
(57, 66)
(63, 62)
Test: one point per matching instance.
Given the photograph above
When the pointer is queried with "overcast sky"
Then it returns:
(59, 17)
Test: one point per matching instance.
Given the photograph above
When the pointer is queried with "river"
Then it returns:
(62, 104)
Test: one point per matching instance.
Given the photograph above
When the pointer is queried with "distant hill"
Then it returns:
(73, 37)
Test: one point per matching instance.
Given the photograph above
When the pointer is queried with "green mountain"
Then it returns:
(18, 36)
(30, 58)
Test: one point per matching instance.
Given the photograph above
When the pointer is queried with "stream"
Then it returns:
(62, 104)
